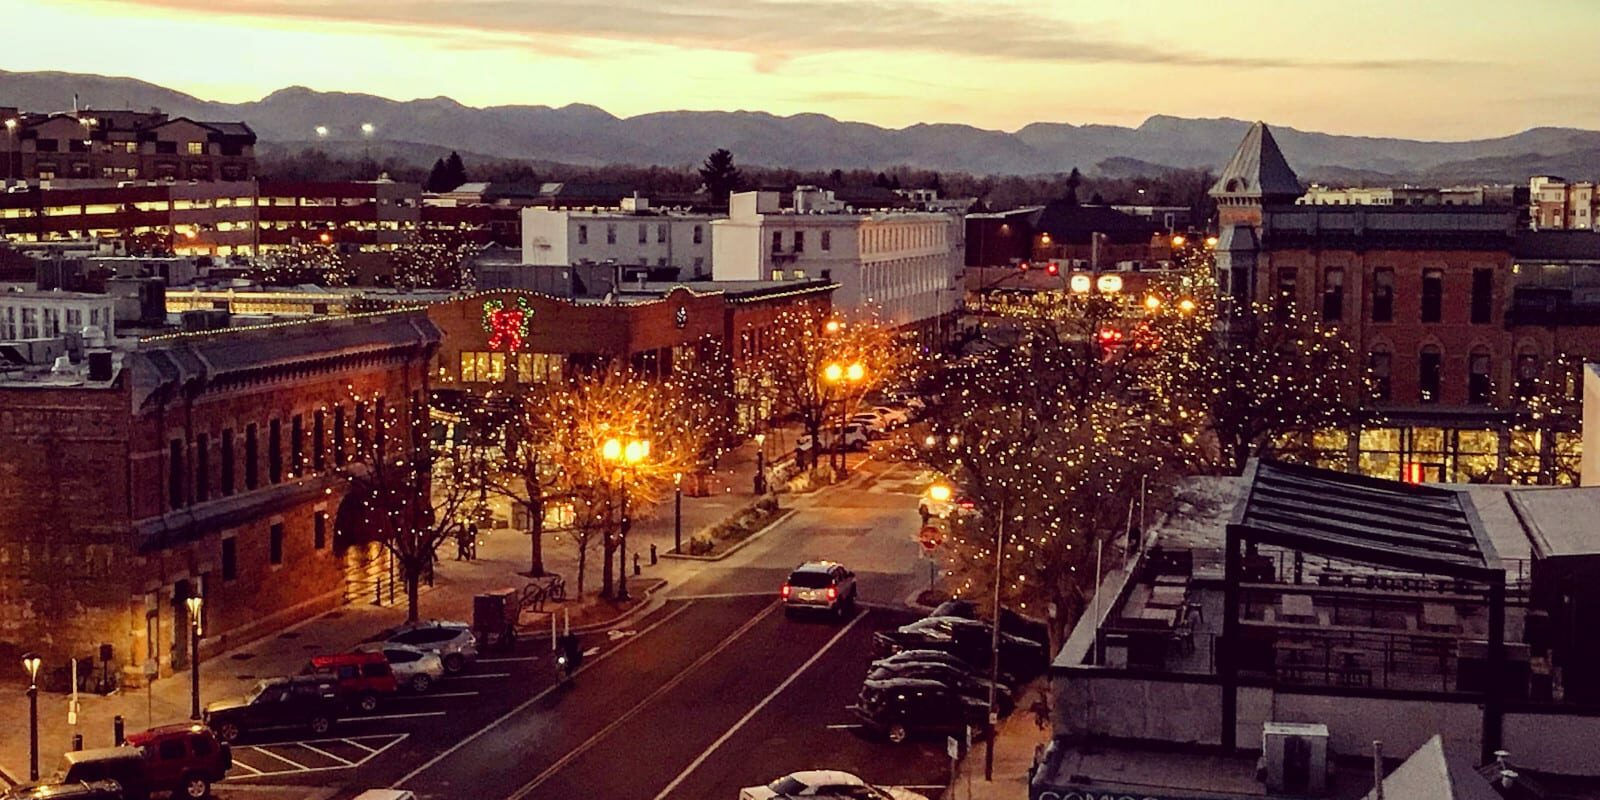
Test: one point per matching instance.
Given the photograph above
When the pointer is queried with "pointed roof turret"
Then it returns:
(1258, 169)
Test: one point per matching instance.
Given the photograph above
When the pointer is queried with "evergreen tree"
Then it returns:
(437, 177)
(1073, 182)
(455, 171)
(882, 181)
(720, 176)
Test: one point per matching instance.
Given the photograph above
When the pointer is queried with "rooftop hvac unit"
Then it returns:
(1295, 757)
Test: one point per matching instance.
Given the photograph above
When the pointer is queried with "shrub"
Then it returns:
(701, 543)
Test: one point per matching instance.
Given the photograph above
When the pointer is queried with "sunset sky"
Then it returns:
(1435, 69)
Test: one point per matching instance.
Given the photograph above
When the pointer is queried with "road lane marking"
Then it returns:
(436, 694)
(683, 675)
(728, 734)
(478, 676)
(722, 595)
(319, 751)
(507, 660)
(291, 762)
(588, 664)
(411, 715)
(844, 726)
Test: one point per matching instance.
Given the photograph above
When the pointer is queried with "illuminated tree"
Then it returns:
(411, 500)
(794, 370)
(432, 260)
(317, 263)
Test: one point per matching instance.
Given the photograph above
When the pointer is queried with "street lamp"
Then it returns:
(322, 131)
(194, 603)
(626, 454)
(677, 512)
(367, 129)
(13, 158)
(761, 464)
(30, 664)
(839, 374)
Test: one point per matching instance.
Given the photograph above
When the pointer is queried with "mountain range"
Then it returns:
(586, 135)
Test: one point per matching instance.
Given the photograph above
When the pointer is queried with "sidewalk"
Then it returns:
(502, 554)
(1014, 744)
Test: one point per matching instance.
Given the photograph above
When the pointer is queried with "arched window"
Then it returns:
(1430, 373)
(1527, 372)
(1379, 365)
(1478, 384)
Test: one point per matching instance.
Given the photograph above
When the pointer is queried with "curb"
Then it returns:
(653, 602)
(783, 517)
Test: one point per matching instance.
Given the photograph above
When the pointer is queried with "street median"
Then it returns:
(723, 539)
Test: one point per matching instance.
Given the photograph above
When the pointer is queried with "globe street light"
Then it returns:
(322, 131)
(30, 664)
(625, 454)
(761, 464)
(677, 512)
(194, 603)
(836, 373)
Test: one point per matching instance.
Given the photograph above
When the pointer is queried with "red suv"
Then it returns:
(185, 759)
(358, 678)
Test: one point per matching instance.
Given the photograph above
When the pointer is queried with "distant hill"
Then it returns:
(585, 135)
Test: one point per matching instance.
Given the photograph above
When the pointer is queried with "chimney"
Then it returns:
(100, 365)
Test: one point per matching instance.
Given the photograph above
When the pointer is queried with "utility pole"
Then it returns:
(994, 654)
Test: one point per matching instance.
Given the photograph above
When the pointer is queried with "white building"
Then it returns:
(904, 266)
(631, 235)
(45, 315)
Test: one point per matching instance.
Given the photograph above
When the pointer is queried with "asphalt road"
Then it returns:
(714, 691)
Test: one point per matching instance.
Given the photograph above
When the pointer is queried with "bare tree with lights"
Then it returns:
(412, 500)
(320, 263)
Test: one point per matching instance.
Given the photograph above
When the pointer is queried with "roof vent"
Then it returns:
(63, 365)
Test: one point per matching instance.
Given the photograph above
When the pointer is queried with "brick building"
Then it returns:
(123, 145)
(1449, 324)
(501, 341)
(205, 463)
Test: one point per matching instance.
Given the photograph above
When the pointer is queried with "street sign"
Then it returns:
(953, 747)
(929, 538)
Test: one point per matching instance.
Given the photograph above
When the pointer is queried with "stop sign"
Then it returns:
(929, 538)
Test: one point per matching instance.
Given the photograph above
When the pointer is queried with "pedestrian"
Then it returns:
(461, 544)
(1041, 711)
(922, 509)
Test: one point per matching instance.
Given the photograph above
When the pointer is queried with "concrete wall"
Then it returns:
(544, 236)
(1132, 708)
(1353, 722)
(1554, 743)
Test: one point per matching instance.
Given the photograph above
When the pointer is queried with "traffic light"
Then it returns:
(1053, 269)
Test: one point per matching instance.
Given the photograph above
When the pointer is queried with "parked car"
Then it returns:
(892, 416)
(825, 784)
(875, 425)
(955, 505)
(454, 642)
(820, 585)
(124, 766)
(960, 679)
(1010, 621)
(81, 790)
(942, 657)
(969, 639)
(901, 708)
(413, 667)
(855, 438)
(184, 759)
(360, 678)
(300, 702)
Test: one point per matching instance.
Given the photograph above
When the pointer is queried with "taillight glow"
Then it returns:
(785, 591)
(833, 592)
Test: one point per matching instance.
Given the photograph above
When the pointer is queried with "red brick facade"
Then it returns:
(127, 496)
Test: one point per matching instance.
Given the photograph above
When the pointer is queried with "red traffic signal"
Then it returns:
(1053, 269)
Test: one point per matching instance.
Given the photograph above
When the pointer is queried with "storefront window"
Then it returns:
(1523, 461)
(1477, 456)
(1380, 452)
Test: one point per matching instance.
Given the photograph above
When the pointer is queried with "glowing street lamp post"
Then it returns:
(761, 464)
(677, 512)
(627, 455)
(194, 604)
(30, 664)
(842, 376)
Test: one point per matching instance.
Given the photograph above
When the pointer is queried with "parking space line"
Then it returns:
(247, 766)
(728, 734)
(360, 745)
(321, 752)
(507, 660)
(291, 762)
(436, 694)
(411, 715)
(478, 676)
(535, 699)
